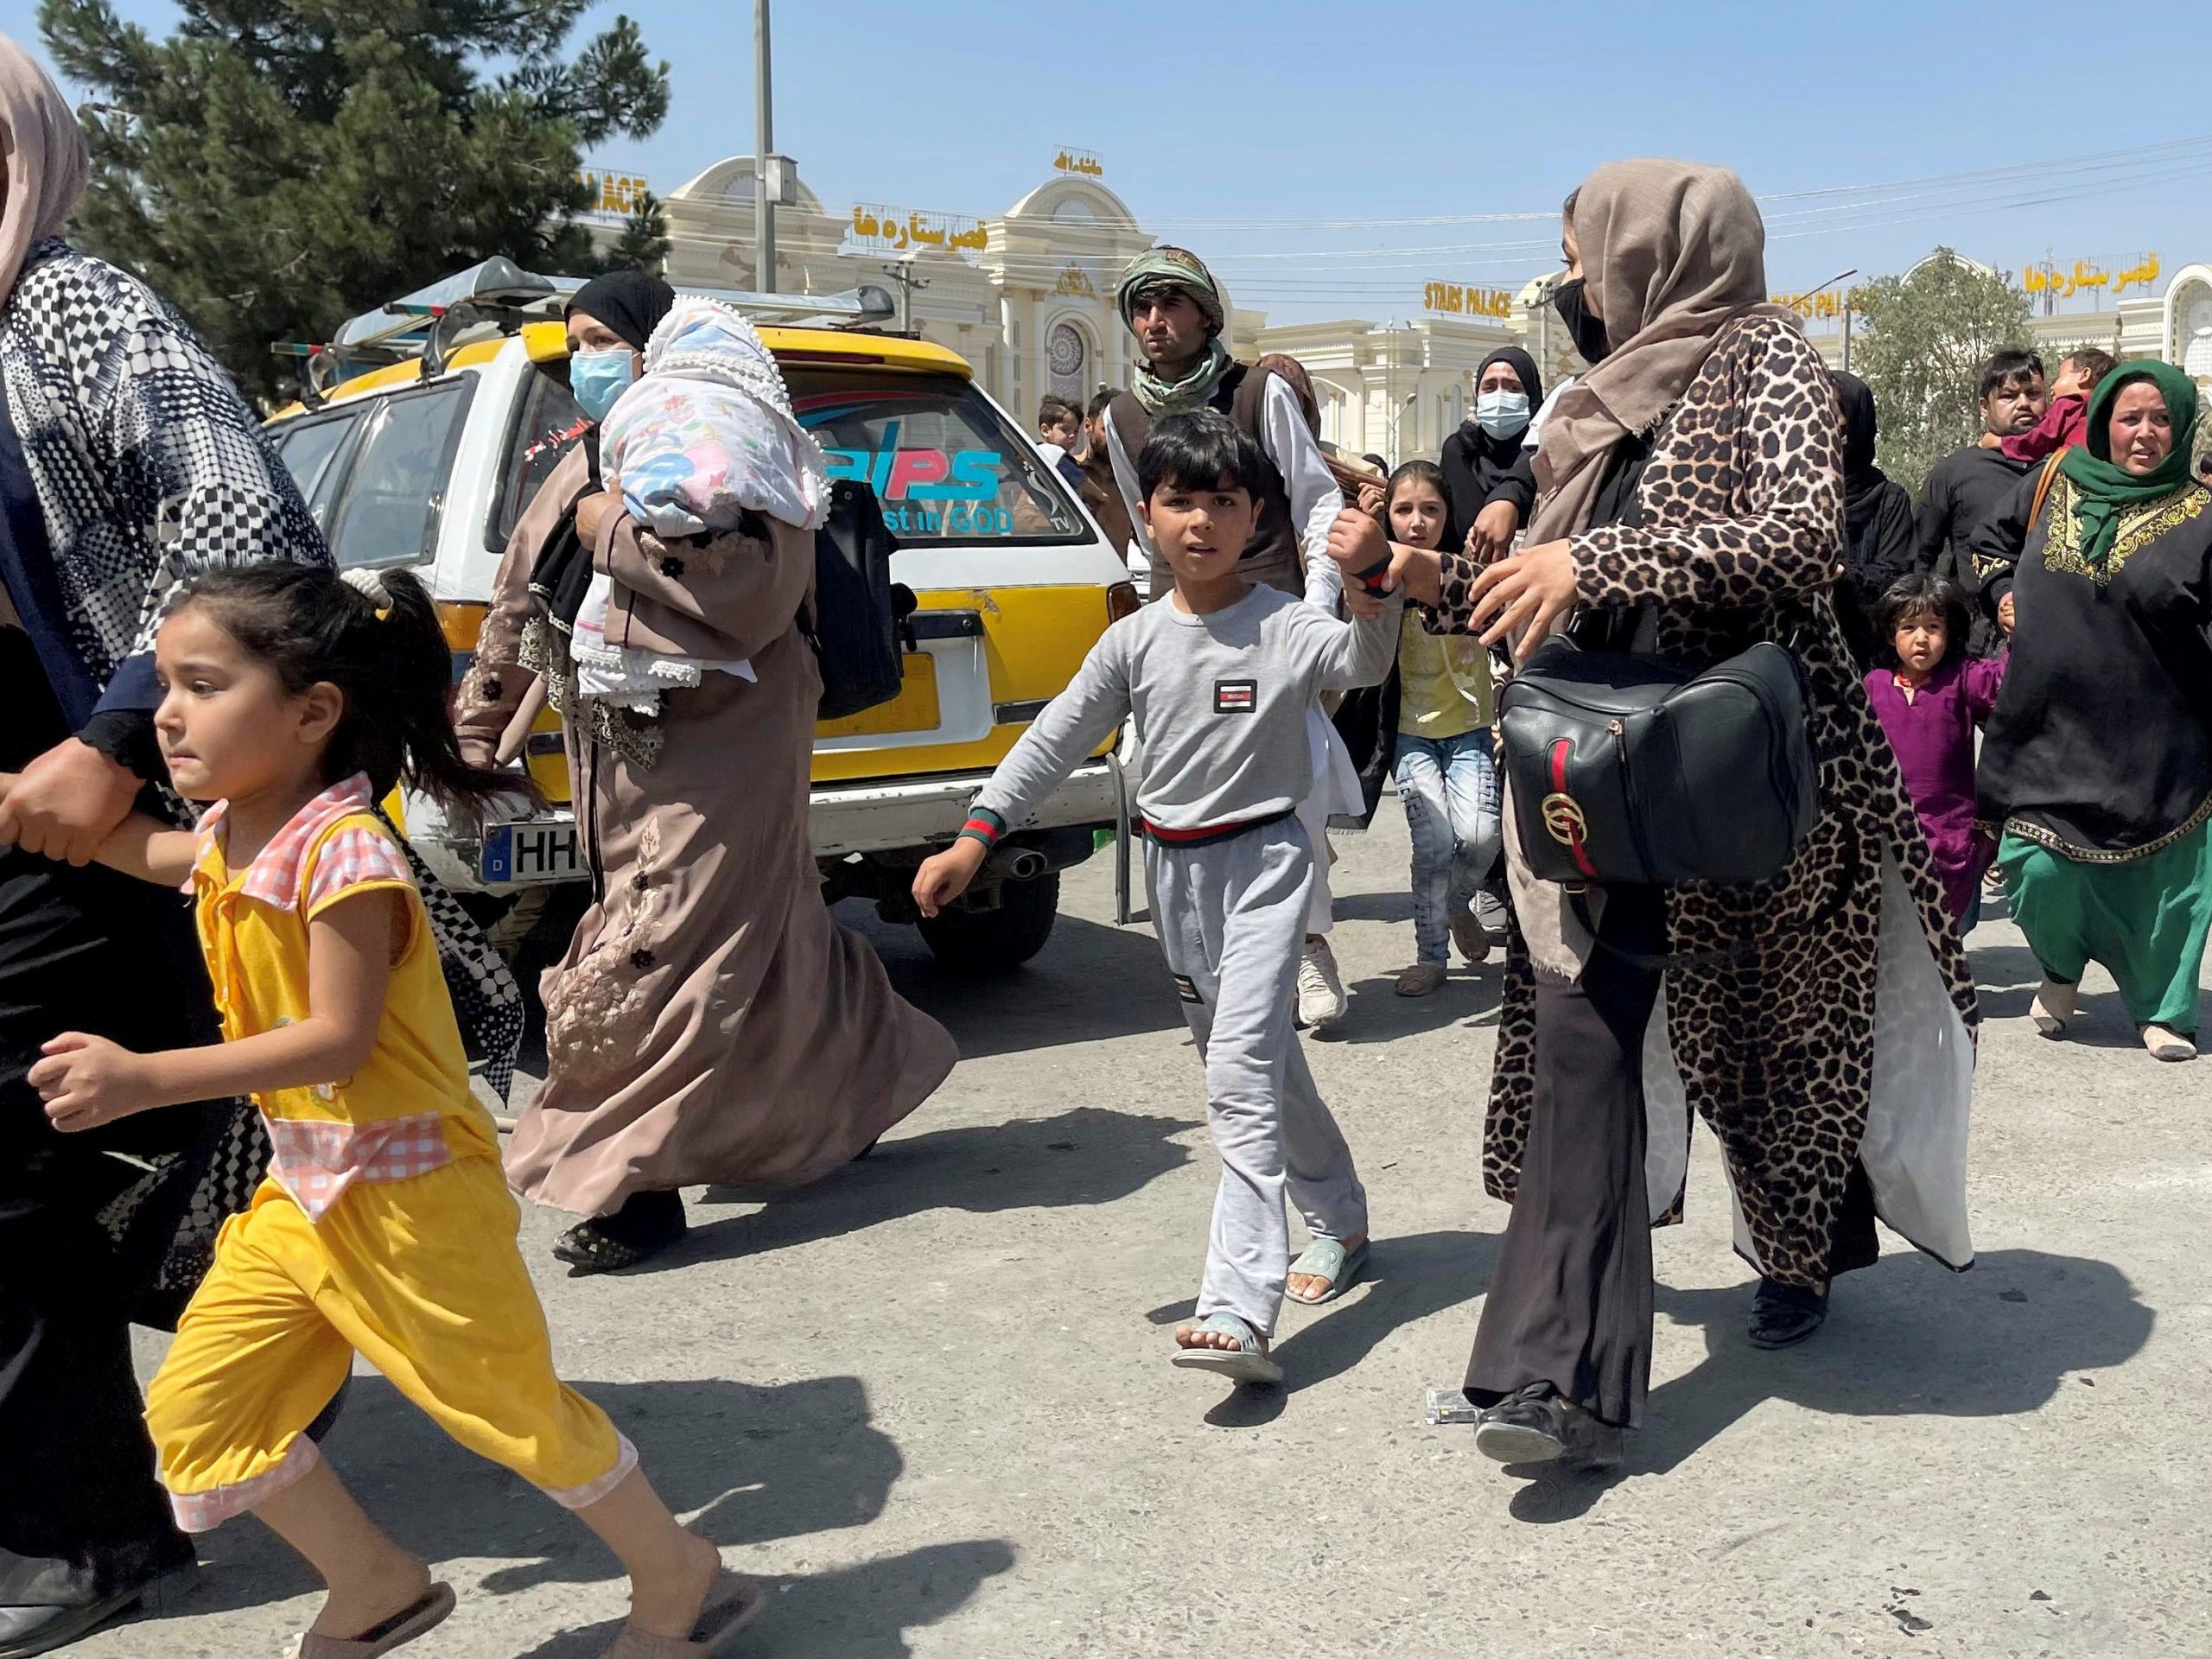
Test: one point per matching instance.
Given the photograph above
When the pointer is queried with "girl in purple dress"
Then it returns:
(1930, 696)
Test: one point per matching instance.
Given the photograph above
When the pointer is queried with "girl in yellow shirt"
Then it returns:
(294, 699)
(1446, 780)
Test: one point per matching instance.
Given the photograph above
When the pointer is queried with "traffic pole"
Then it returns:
(764, 145)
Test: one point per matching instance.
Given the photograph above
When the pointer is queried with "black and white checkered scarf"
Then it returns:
(150, 469)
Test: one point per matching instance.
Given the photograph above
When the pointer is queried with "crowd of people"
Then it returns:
(205, 704)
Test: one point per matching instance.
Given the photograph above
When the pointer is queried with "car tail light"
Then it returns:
(1122, 601)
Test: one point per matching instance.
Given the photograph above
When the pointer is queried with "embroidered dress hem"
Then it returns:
(2055, 842)
(2145, 921)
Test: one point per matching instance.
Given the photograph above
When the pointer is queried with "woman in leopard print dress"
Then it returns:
(1691, 503)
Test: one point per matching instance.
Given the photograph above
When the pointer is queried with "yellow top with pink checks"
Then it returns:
(408, 1110)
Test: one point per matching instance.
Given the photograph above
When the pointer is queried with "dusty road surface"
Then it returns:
(931, 1401)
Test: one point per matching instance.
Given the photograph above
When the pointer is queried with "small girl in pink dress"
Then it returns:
(1930, 696)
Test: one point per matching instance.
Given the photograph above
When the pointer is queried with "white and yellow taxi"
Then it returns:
(435, 420)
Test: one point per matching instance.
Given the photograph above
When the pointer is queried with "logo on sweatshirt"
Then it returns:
(1235, 697)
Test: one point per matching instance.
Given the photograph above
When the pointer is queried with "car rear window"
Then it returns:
(308, 447)
(396, 488)
(547, 426)
(948, 468)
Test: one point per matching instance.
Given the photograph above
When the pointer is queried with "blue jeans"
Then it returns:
(1448, 787)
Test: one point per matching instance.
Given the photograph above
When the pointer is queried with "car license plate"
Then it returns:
(530, 852)
(914, 709)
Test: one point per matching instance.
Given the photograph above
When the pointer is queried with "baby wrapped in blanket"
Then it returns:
(705, 435)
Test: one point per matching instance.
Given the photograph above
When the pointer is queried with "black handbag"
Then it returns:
(1632, 769)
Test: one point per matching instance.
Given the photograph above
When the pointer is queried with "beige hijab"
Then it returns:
(1673, 252)
(46, 162)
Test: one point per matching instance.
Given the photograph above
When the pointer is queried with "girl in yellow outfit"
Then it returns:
(294, 699)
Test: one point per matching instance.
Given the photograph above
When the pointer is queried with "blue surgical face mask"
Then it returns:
(1503, 413)
(596, 378)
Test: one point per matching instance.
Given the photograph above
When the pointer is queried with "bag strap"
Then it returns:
(2043, 483)
(1578, 900)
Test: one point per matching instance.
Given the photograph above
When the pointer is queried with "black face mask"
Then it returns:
(1588, 332)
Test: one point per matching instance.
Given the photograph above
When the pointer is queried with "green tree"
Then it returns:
(1928, 335)
(274, 167)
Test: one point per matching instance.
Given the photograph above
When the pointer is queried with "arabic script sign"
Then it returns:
(881, 229)
(1454, 301)
(2094, 279)
(1079, 161)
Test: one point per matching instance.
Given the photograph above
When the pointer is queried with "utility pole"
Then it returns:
(764, 145)
(903, 274)
(1837, 282)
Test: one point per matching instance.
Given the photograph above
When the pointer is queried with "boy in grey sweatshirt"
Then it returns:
(1220, 677)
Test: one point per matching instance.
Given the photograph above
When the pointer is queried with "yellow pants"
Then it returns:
(423, 1277)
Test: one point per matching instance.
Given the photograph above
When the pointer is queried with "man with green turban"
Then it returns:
(1172, 304)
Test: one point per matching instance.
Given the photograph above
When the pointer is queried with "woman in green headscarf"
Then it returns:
(2098, 763)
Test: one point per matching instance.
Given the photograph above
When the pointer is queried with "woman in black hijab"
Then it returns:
(1486, 471)
(1878, 518)
(609, 321)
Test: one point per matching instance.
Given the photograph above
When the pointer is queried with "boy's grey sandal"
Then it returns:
(1327, 1258)
(1246, 1363)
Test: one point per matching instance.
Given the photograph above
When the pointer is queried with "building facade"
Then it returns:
(1028, 298)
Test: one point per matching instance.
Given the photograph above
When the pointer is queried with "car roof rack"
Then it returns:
(500, 296)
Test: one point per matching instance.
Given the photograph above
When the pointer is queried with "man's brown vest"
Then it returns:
(1274, 555)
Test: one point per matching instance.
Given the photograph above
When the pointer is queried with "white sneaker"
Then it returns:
(2166, 1045)
(2053, 1007)
(1320, 993)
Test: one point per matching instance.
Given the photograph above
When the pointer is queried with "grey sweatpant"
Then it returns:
(1231, 918)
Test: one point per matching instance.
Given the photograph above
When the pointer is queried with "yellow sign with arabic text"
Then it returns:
(877, 229)
(1080, 162)
(2094, 277)
(1453, 299)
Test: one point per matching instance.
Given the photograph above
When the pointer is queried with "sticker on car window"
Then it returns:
(926, 491)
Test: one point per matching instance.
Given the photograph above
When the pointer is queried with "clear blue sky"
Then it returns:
(1304, 112)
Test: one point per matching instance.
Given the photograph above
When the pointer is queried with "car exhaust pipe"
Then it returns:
(1019, 864)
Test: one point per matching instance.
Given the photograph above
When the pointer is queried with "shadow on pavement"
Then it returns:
(1406, 1279)
(755, 1464)
(2011, 976)
(850, 1612)
(1374, 907)
(1091, 983)
(1086, 1155)
(1378, 1014)
(1904, 1338)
